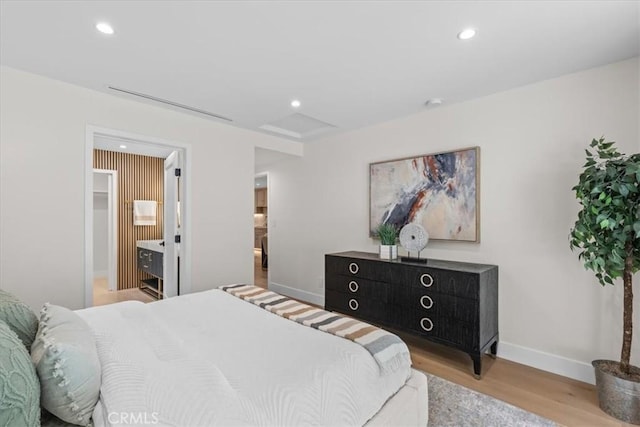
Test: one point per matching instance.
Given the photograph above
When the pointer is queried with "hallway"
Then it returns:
(260, 276)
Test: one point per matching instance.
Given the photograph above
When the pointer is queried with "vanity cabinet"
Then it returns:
(151, 262)
(261, 198)
(451, 303)
(261, 201)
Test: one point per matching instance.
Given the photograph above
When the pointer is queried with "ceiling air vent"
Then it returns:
(297, 126)
(167, 102)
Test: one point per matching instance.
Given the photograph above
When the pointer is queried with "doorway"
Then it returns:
(261, 230)
(165, 227)
(105, 229)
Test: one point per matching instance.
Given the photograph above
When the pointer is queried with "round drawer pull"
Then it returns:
(428, 321)
(353, 286)
(353, 268)
(426, 302)
(353, 305)
(429, 282)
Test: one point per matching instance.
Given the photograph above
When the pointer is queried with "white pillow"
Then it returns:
(67, 363)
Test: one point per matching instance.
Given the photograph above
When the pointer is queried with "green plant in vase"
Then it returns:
(388, 235)
(607, 236)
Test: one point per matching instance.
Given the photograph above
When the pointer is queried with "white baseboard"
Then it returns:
(575, 369)
(298, 294)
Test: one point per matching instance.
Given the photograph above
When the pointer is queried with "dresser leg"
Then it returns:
(477, 364)
(494, 349)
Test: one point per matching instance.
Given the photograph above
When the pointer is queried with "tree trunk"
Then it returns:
(627, 314)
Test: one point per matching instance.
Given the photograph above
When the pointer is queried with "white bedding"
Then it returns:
(210, 358)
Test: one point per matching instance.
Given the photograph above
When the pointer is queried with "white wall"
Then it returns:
(42, 171)
(553, 314)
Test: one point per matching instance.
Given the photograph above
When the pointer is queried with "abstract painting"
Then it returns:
(438, 191)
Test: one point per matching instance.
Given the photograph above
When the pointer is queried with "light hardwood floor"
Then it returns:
(103, 296)
(563, 400)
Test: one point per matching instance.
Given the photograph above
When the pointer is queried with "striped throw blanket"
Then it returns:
(389, 351)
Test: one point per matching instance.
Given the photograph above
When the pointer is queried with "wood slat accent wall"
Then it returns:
(139, 178)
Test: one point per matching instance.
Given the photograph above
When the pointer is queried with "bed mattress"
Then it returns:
(210, 358)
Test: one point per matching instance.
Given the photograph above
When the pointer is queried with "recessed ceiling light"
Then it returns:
(123, 146)
(467, 34)
(104, 28)
(257, 184)
(433, 101)
(295, 103)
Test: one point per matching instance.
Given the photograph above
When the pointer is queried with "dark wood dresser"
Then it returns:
(452, 303)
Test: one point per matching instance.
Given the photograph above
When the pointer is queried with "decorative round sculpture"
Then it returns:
(413, 237)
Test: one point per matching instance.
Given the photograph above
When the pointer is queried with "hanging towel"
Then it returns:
(144, 212)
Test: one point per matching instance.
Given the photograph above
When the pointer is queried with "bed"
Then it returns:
(210, 358)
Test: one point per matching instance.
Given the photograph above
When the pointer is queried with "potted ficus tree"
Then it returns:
(607, 236)
(388, 235)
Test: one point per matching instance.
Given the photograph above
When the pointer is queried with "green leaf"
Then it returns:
(604, 223)
(636, 228)
(624, 191)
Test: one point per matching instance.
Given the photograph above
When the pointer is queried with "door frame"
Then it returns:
(91, 132)
(170, 288)
(112, 227)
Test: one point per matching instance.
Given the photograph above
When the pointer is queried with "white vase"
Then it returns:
(388, 251)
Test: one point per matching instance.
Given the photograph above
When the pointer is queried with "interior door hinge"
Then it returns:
(177, 238)
(178, 172)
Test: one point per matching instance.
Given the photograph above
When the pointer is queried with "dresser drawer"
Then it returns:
(440, 281)
(461, 334)
(353, 267)
(356, 286)
(356, 306)
(442, 305)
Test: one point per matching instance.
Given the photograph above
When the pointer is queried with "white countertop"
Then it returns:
(152, 245)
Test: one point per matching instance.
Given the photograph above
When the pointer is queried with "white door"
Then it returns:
(172, 170)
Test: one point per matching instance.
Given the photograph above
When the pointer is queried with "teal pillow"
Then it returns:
(19, 388)
(19, 317)
(67, 363)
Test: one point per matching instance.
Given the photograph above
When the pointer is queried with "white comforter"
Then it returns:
(210, 358)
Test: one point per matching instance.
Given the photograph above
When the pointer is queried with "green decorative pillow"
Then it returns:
(19, 317)
(67, 363)
(19, 388)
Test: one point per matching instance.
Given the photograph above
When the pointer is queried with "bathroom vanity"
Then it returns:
(150, 258)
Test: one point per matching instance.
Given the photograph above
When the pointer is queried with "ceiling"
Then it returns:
(261, 181)
(351, 64)
(123, 145)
